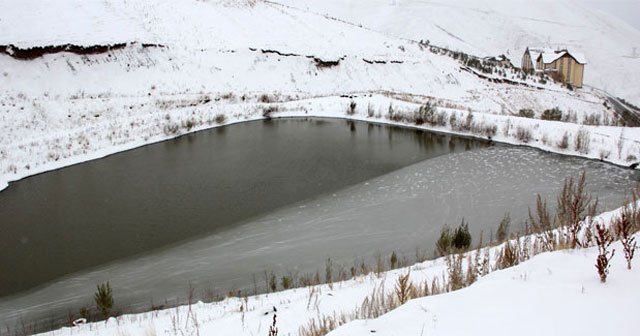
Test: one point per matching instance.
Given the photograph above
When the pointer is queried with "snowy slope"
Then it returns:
(553, 294)
(217, 57)
(556, 293)
(29, 23)
(506, 27)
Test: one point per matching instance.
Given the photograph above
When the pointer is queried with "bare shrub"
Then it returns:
(503, 228)
(370, 111)
(404, 290)
(393, 115)
(351, 109)
(508, 256)
(286, 281)
(564, 142)
(623, 228)
(543, 223)
(443, 244)
(171, 129)
(603, 240)
(468, 122)
(328, 271)
(441, 119)
(483, 266)
(189, 123)
(507, 127)
(376, 304)
(593, 119)
(220, 118)
(583, 141)
(620, 143)
(323, 325)
(426, 114)
(554, 114)
(269, 110)
(379, 265)
(523, 134)
(453, 121)
(574, 203)
(472, 265)
(265, 98)
(227, 96)
(454, 270)
(488, 130)
(570, 117)
(526, 113)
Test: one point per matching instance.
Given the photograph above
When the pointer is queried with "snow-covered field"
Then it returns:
(557, 293)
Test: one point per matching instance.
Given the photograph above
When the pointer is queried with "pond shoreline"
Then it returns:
(333, 107)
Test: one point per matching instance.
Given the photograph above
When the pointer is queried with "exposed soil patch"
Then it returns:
(35, 52)
(320, 63)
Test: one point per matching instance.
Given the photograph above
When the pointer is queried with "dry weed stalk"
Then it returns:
(454, 269)
(623, 228)
(603, 240)
(273, 329)
(543, 224)
(404, 289)
(574, 204)
(509, 256)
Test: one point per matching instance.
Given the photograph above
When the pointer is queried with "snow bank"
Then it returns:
(552, 292)
(555, 293)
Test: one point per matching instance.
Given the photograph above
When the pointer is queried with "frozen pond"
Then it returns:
(217, 208)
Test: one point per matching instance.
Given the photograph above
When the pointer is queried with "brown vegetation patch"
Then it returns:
(35, 52)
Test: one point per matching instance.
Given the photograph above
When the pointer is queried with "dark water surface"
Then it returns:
(89, 214)
(219, 206)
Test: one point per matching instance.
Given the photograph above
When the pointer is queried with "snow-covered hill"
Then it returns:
(193, 60)
(491, 28)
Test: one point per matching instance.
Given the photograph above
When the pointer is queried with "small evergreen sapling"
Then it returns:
(461, 239)
(443, 245)
(104, 299)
